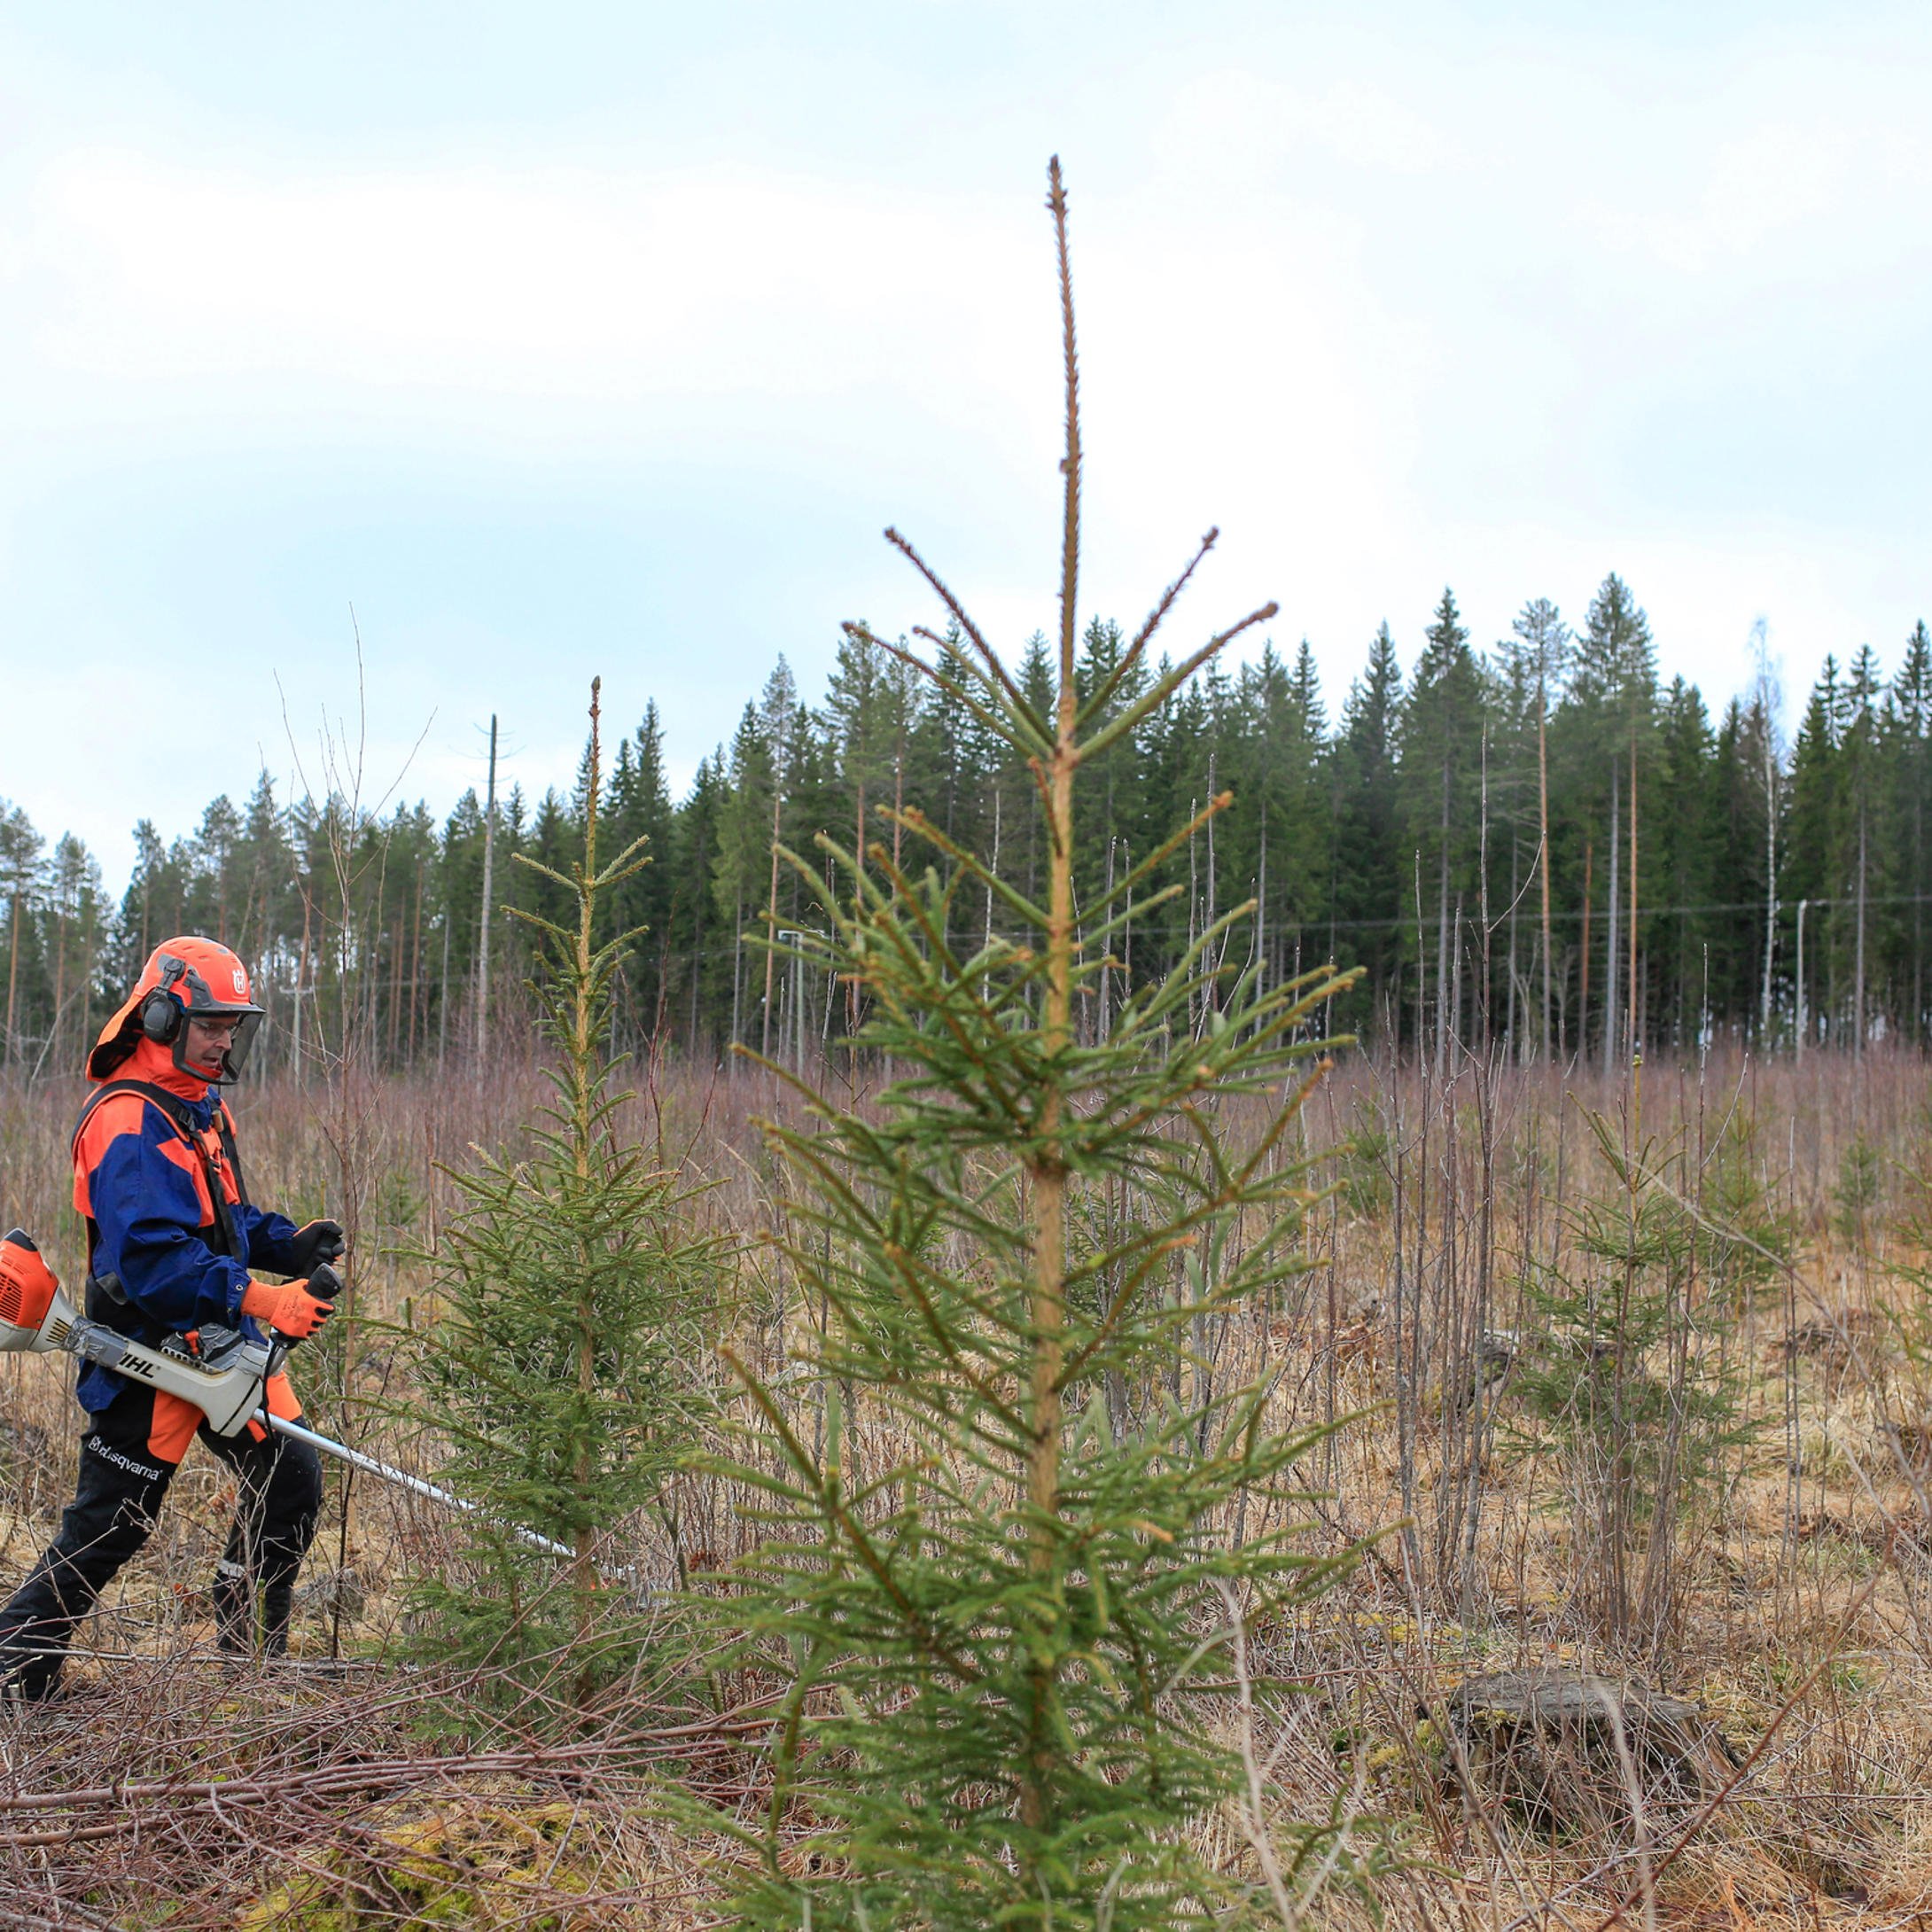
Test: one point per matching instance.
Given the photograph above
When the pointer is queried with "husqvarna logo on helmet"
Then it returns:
(241, 983)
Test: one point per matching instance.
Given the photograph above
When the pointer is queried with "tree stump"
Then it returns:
(1570, 1751)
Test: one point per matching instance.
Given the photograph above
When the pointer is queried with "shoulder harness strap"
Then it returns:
(225, 1122)
(175, 1110)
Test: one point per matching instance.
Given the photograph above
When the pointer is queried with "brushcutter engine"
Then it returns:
(35, 1315)
(225, 1380)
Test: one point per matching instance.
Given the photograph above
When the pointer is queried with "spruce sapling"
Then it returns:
(572, 1291)
(1006, 1635)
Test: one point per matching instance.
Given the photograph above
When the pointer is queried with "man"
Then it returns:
(172, 1237)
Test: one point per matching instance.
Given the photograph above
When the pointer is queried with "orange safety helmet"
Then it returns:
(185, 978)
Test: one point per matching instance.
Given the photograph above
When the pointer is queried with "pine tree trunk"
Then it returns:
(1483, 1006)
(700, 872)
(899, 786)
(301, 975)
(489, 860)
(396, 986)
(13, 973)
(1194, 914)
(858, 853)
(61, 977)
(1857, 994)
(1771, 868)
(442, 1001)
(771, 924)
(1631, 1018)
(1105, 1014)
(738, 962)
(1442, 937)
(416, 966)
(1609, 944)
(988, 940)
(1514, 1047)
(1582, 991)
(1260, 899)
(1543, 848)
(1210, 993)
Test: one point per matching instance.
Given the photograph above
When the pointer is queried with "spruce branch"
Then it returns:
(825, 1498)
(1098, 703)
(1163, 688)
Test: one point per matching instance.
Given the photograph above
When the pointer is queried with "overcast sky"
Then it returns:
(572, 339)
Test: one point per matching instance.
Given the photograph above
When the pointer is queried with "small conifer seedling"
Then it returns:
(573, 1290)
(1003, 1612)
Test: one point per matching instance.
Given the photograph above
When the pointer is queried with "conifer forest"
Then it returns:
(1704, 878)
(1091, 1289)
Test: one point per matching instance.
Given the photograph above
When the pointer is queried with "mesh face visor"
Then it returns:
(247, 1025)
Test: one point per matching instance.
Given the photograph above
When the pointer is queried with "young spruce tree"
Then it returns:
(572, 1293)
(1007, 1638)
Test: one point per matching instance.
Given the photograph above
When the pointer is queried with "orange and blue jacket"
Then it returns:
(158, 1229)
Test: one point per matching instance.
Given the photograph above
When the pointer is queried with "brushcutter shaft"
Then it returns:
(402, 1479)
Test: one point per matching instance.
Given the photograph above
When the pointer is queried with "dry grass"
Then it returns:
(1791, 1602)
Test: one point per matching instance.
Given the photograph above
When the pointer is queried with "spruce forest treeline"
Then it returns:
(1701, 876)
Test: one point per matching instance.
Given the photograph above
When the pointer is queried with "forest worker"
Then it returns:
(172, 1237)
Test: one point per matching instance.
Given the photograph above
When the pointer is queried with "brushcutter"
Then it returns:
(226, 1377)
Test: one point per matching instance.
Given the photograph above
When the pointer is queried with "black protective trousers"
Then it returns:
(115, 1504)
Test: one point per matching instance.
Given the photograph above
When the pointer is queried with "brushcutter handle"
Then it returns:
(293, 1313)
(324, 1284)
(314, 1242)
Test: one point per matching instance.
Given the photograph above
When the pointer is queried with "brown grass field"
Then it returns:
(1713, 1488)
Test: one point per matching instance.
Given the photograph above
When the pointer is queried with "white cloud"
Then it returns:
(1247, 123)
(553, 282)
(1790, 193)
(1237, 365)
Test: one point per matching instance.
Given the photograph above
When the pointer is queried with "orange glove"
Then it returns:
(291, 1311)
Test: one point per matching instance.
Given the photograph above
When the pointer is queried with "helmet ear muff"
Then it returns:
(160, 1014)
